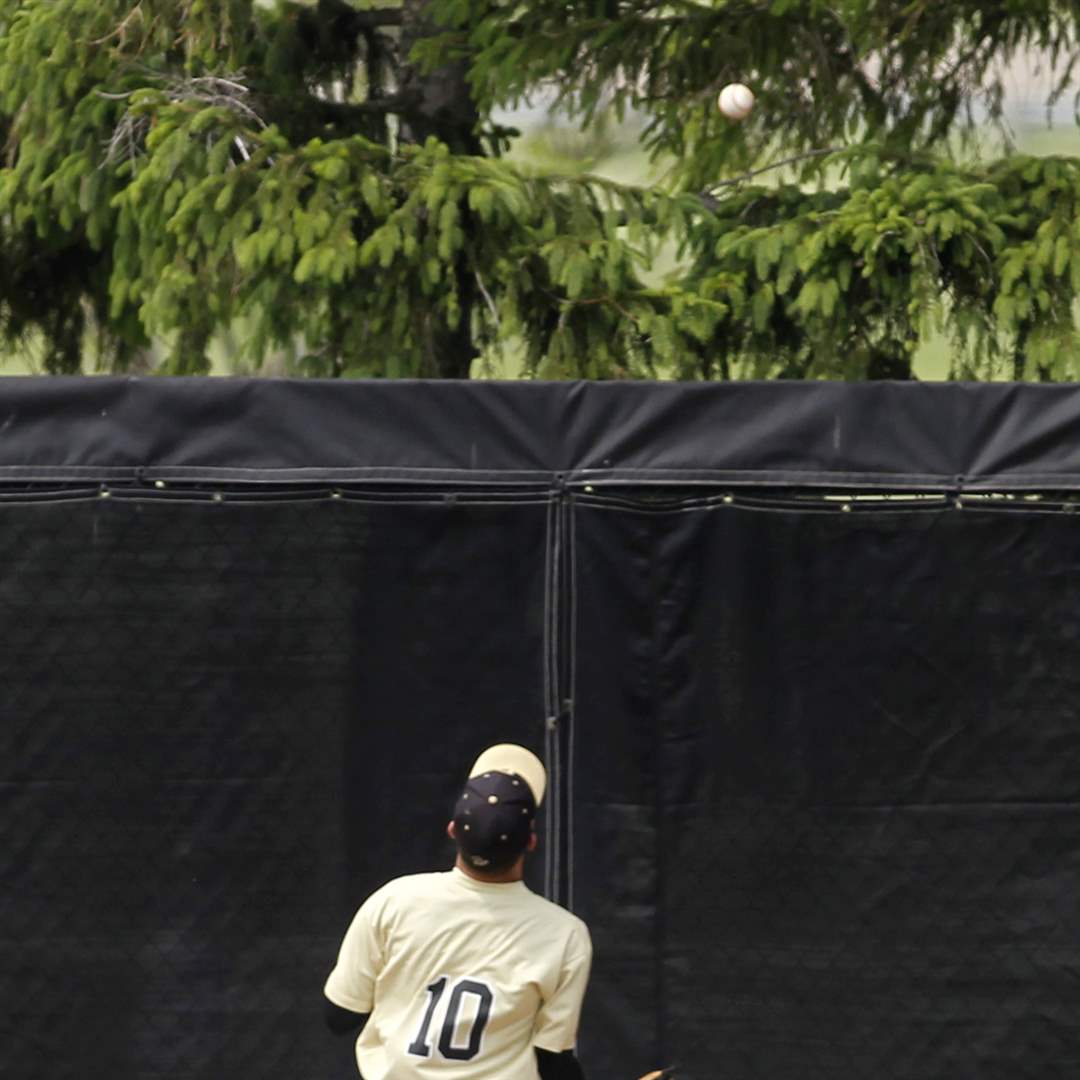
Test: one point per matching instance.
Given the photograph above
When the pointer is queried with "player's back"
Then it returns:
(462, 978)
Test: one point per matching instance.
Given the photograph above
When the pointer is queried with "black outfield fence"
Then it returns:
(803, 661)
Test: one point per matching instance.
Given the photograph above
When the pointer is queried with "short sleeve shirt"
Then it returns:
(462, 978)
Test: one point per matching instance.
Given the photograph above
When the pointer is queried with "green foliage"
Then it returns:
(176, 169)
(846, 281)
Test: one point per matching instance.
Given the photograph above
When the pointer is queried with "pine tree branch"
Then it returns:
(342, 20)
(793, 160)
(403, 103)
(374, 18)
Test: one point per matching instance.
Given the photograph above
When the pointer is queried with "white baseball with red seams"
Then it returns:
(736, 101)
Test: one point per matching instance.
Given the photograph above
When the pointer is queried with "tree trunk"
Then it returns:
(445, 109)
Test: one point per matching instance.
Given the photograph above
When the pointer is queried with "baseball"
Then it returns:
(736, 101)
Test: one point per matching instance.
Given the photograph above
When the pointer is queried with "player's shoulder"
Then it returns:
(558, 920)
(404, 889)
(412, 885)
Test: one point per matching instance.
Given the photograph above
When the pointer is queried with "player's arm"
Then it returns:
(350, 989)
(555, 1034)
(561, 1066)
(343, 1021)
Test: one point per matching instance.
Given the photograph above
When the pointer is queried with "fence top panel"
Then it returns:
(875, 436)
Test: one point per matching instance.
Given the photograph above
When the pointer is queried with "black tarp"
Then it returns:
(813, 754)
(892, 436)
(841, 812)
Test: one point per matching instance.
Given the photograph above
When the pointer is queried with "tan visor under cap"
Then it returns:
(506, 757)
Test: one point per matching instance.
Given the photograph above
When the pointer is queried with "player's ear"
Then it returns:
(450, 830)
(533, 841)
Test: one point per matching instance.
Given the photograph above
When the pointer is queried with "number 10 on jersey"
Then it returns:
(421, 1045)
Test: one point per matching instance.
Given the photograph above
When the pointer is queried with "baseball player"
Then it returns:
(467, 974)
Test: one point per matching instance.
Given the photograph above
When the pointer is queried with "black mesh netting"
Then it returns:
(819, 798)
(223, 724)
(838, 835)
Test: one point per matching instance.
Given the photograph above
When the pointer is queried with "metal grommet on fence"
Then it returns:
(729, 499)
(104, 492)
(218, 497)
(160, 485)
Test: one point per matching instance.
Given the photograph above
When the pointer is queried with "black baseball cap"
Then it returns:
(493, 819)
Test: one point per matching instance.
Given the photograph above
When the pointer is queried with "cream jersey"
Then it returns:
(462, 978)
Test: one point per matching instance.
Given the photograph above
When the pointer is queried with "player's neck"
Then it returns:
(501, 877)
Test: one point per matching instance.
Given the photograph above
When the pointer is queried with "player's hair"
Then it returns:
(495, 864)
